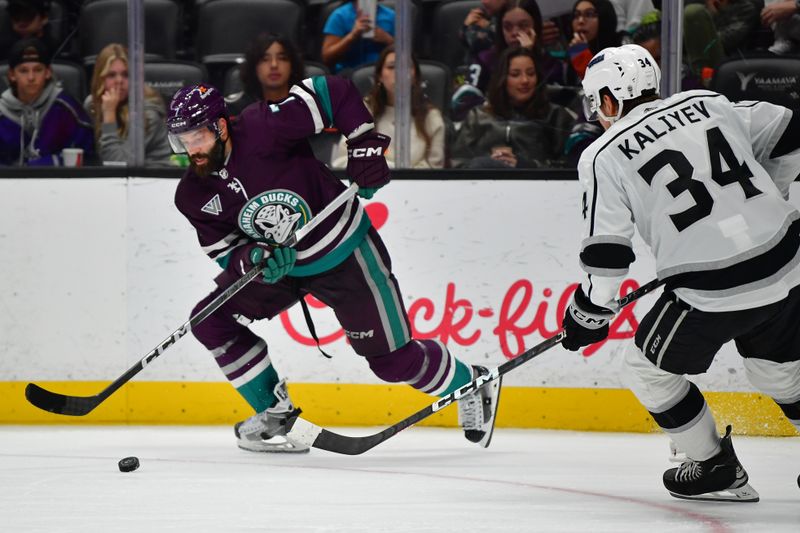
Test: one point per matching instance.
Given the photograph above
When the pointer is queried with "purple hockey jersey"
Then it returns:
(271, 184)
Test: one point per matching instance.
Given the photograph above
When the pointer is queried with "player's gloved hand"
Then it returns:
(277, 265)
(367, 192)
(366, 162)
(584, 322)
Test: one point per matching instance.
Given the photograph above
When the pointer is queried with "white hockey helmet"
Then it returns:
(627, 71)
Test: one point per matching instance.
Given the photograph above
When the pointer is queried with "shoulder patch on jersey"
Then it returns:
(213, 206)
(273, 216)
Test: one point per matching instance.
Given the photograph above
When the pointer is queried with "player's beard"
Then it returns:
(214, 160)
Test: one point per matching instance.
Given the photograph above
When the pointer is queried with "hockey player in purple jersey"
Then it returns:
(250, 185)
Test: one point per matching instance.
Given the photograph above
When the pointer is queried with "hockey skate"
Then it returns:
(477, 410)
(721, 478)
(266, 431)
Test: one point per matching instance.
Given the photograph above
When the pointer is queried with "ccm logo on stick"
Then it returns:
(365, 152)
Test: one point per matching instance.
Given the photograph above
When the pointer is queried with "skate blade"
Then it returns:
(745, 493)
(272, 446)
(487, 437)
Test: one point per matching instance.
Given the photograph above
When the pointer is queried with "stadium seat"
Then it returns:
(59, 25)
(445, 39)
(106, 21)
(771, 78)
(226, 27)
(169, 76)
(71, 76)
(436, 81)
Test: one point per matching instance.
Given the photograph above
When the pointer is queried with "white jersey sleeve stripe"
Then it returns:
(311, 104)
(221, 244)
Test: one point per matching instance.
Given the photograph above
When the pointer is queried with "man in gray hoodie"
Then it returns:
(37, 118)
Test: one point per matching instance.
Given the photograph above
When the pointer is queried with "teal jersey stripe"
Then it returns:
(224, 260)
(393, 314)
(321, 88)
(335, 257)
(259, 391)
(462, 376)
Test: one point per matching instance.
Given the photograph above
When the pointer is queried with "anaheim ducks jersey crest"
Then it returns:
(274, 215)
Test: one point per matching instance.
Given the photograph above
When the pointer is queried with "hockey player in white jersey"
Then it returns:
(705, 182)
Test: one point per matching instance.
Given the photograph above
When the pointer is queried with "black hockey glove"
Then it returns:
(366, 162)
(584, 322)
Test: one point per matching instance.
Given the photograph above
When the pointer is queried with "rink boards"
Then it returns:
(96, 272)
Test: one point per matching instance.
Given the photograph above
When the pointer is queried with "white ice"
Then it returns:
(194, 479)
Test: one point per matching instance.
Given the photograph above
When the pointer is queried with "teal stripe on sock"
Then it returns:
(462, 376)
(386, 296)
(258, 392)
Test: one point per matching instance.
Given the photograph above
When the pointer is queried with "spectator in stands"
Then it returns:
(717, 29)
(38, 119)
(479, 31)
(783, 16)
(594, 27)
(520, 26)
(518, 127)
(272, 64)
(345, 44)
(648, 34)
(29, 19)
(108, 106)
(427, 131)
(629, 15)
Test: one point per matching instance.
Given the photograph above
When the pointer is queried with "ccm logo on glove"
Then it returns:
(365, 152)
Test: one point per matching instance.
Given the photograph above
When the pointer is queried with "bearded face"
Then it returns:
(204, 163)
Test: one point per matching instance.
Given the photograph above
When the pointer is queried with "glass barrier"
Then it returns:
(457, 84)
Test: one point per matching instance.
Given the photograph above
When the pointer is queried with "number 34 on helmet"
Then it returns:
(627, 71)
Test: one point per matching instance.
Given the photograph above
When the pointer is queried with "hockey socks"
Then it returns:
(259, 391)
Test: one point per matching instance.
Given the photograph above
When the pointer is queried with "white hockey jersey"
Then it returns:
(705, 182)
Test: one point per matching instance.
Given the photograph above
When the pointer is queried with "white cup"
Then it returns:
(73, 157)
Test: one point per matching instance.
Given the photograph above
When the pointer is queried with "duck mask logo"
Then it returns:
(273, 216)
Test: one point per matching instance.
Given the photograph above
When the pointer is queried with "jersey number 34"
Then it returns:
(718, 149)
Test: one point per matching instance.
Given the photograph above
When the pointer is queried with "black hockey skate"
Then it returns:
(266, 431)
(721, 478)
(477, 411)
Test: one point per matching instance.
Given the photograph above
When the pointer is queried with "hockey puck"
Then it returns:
(128, 464)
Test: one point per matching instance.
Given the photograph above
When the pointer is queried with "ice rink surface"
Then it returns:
(194, 479)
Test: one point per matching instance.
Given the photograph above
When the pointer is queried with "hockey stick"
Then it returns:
(312, 435)
(81, 405)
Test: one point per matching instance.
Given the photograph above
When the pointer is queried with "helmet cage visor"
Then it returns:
(183, 142)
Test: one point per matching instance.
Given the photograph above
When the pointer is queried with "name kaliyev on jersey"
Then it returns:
(697, 176)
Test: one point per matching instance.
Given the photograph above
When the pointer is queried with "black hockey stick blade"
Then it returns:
(60, 404)
(63, 404)
(312, 435)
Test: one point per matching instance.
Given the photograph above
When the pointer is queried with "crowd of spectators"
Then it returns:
(513, 103)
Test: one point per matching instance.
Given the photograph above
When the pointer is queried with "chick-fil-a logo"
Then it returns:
(460, 323)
